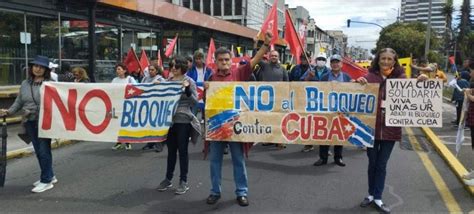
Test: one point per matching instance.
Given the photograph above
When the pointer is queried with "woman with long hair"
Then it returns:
(122, 77)
(179, 133)
(384, 66)
(29, 100)
(80, 75)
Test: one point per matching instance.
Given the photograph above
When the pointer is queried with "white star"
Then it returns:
(348, 128)
(131, 91)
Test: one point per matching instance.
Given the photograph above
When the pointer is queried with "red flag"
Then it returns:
(271, 23)
(351, 68)
(160, 61)
(144, 63)
(170, 48)
(451, 60)
(292, 39)
(210, 54)
(131, 61)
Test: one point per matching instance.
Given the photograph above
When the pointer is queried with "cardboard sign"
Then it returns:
(412, 103)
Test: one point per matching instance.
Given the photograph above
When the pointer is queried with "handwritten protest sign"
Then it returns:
(108, 112)
(329, 113)
(412, 103)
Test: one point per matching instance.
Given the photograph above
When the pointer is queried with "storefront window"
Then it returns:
(12, 52)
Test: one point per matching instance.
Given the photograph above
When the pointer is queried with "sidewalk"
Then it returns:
(16, 148)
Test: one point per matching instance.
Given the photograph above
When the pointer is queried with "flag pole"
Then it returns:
(297, 34)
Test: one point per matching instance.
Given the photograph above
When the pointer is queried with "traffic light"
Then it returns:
(348, 23)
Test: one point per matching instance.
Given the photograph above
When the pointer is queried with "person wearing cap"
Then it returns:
(29, 100)
(339, 76)
(315, 75)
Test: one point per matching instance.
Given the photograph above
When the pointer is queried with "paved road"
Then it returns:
(92, 177)
(447, 135)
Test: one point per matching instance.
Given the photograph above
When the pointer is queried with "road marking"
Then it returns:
(443, 189)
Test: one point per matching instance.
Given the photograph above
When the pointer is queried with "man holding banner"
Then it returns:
(339, 76)
(237, 149)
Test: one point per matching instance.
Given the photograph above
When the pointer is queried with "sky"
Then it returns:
(333, 15)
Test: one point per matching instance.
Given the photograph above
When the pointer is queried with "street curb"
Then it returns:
(19, 153)
(456, 166)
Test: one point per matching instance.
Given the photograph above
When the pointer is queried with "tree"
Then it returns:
(447, 12)
(407, 39)
(465, 29)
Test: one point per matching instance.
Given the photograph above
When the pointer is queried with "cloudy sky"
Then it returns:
(332, 15)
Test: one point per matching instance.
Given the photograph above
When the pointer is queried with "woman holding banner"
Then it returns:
(122, 77)
(29, 100)
(384, 66)
(185, 125)
(155, 72)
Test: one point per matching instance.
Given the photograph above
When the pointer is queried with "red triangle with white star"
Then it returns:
(132, 91)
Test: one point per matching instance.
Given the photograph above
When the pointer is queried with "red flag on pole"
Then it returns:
(210, 54)
(131, 61)
(271, 23)
(144, 63)
(160, 61)
(170, 48)
(292, 39)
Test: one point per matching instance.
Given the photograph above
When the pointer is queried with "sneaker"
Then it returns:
(158, 147)
(469, 182)
(117, 146)
(128, 146)
(147, 147)
(182, 188)
(307, 148)
(53, 181)
(212, 199)
(164, 185)
(468, 176)
(41, 187)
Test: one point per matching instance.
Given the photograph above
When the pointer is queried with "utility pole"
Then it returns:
(428, 31)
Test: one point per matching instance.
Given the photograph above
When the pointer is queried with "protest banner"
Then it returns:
(412, 103)
(326, 113)
(108, 112)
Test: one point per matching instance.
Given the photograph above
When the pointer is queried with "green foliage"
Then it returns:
(406, 38)
(467, 46)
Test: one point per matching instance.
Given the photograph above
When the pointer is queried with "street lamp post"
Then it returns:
(428, 31)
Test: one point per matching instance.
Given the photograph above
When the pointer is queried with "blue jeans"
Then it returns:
(216, 154)
(42, 148)
(378, 158)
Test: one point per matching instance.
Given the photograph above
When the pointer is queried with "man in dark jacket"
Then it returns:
(339, 76)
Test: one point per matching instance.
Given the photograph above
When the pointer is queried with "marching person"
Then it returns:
(184, 122)
(154, 75)
(272, 71)
(80, 75)
(339, 76)
(309, 75)
(237, 149)
(469, 177)
(29, 100)
(122, 77)
(384, 66)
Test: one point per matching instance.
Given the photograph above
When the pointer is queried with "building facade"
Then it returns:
(417, 10)
(96, 34)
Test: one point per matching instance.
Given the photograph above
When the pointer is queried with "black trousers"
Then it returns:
(458, 111)
(323, 152)
(177, 141)
(472, 137)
